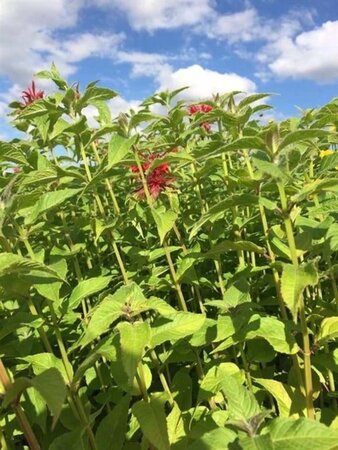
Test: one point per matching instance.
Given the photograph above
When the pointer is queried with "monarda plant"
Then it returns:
(167, 281)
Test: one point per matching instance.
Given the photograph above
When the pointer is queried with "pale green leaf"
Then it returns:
(134, 337)
(293, 281)
(111, 431)
(328, 329)
(165, 220)
(182, 324)
(86, 288)
(302, 434)
(152, 420)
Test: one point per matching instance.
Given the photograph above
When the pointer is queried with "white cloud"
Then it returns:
(120, 105)
(203, 83)
(28, 42)
(248, 26)
(151, 15)
(241, 26)
(312, 54)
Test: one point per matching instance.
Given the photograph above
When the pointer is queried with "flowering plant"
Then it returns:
(159, 290)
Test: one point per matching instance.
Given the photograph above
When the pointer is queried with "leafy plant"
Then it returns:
(168, 281)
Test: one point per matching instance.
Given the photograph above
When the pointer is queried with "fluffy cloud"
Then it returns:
(151, 15)
(203, 83)
(248, 25)
(312, 55)
(28, 43)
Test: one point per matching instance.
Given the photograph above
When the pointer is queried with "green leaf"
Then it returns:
(43, 361)
(293, 281)
(213, 379)
(51, 290)
(36, 109)
(242, 404)
(175, 425)
(54, 75)
(289, 402)
(328, 329)
(244, 143)
(302, 434)
(111, 431)
(271, 329)
(332, 237)
(134, 337)
(86, 288)
(252, 98)
(225, 246)
(262, 442)
(271, 169)
(218, 439)
(118, 149)
(70, 441)
(128, 300)
(52, 388)
(301, 135)
(12, 265)
(165, 220)
(329, 162)
(217, 211)
(94, 94)
(182, 324)
(152, 420)
(48, 201)
(59, 127)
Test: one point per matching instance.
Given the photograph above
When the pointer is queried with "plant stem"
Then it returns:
(20, 415)
(303, 324)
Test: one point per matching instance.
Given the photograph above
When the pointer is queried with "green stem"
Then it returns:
(19, 413)
(306, 341)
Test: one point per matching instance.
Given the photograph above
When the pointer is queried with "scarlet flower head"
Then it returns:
(157, 180)
(31, 95)
(194, 109)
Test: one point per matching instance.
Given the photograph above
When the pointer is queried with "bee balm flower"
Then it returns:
(31, 95)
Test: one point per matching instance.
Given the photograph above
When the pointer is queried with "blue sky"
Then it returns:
(136, 47)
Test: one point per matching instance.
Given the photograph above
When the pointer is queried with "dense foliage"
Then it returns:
(168, 278)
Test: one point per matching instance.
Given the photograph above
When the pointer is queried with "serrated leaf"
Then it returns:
(128, 300)
(301, 135)
(118, 149)
(182, 324)
(271, 169)
(48, 201)
(303, 434)
(112, 428)
(86, 288)
(242, 404)
(43, 361)
(217, 439)
(152, 420)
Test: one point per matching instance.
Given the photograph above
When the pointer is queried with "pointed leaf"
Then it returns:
(110, 433)
(152, 420)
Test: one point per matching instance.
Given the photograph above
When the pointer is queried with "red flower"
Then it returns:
(157, 180)
(194, 109)
(30, 95)
(202, 108)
